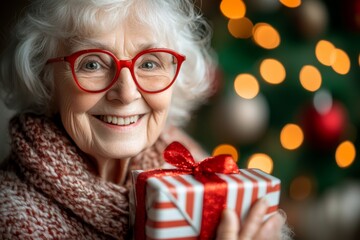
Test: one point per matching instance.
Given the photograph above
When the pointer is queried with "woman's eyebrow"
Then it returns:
(145, 46)
(88, 43)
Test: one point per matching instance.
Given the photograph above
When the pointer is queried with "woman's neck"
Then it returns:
(113, 170)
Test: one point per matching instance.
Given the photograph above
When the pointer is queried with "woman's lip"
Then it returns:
(119, 121)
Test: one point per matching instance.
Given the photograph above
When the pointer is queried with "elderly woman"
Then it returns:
(101, 88)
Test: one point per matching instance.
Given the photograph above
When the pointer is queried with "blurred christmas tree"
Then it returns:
(287, 98)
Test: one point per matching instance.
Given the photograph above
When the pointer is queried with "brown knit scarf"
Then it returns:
(51, 190)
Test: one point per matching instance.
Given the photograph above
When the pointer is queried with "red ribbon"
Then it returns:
(215, 189)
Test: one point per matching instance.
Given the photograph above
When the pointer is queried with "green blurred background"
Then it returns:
(320, 175)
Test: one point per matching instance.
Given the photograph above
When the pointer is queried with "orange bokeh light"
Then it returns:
(310, 78)
(266, 36)
(323, 52)
(340, 61)
(246, 86)
(301, 188)
(291, 136)
(240, 28)
(233, 9)
(291, 3)
(345, 154)
(261, 161)
(272, 71)
(226, 149)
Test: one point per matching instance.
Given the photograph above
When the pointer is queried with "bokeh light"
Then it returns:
(246, 86)
(226, 149)
(291, 136)
(261, 161)
(240, 28)
(340, 61)
(323, 101)
(291, 3)
(323, 51)
(301, 188)
(345, 154)
(272, 71)
(310, 78)
(243, 121)
(266, 36)
(233, 9)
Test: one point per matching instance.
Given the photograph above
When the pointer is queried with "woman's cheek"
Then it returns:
(159, 101)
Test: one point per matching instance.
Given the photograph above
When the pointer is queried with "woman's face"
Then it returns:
(87, 117)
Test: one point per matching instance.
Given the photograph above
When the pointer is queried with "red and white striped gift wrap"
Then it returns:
(174, 204)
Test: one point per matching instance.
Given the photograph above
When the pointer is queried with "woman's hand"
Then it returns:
(253, 228)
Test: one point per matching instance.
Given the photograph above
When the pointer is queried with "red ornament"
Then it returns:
(324, 130)
(350, 14)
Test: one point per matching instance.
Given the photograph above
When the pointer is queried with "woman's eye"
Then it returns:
(149, 65)
(92, 65)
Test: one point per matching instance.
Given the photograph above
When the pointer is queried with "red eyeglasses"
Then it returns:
(95, 70)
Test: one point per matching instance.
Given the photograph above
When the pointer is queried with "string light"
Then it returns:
(240, 28)
(226, 149)
(323, 51)
(310, 78)
(329, 55)
(266, 36)
(345, 154)
(301, 188)
(233, 9)
(291, 3)
(272, 71)
(246, 86)
(261, 161)
(340, 61)
(291, 136)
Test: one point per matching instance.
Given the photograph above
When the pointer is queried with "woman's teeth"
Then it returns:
(121, 121)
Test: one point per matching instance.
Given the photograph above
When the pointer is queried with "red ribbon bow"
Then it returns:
(215, 190)
(178, 156)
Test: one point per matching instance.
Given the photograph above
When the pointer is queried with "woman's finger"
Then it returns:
(254, 220)
(228, 228)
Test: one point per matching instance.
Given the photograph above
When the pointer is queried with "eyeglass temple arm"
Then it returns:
(52, 60)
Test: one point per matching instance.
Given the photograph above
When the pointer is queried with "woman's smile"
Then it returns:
(119, 121)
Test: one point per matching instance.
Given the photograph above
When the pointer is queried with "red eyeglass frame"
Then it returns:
(119, 65)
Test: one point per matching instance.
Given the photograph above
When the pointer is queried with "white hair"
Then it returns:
(27, 81)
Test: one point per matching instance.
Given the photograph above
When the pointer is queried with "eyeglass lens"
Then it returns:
(153, 71)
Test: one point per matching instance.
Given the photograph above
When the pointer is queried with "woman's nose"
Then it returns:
(124, 89)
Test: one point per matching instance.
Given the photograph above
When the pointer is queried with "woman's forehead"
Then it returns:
(138, 38)
(128, 33)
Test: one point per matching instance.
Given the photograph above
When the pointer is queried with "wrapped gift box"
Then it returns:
(174, 204)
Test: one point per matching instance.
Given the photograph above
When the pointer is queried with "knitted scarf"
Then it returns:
(50, 189)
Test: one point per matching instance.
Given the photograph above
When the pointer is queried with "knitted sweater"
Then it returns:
(49, 189)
